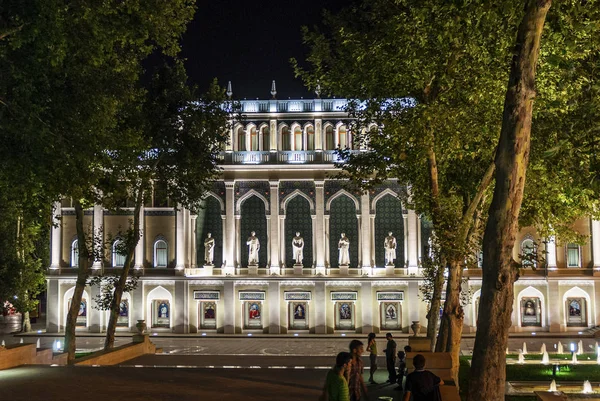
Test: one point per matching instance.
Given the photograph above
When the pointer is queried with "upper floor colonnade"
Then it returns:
(272, 128)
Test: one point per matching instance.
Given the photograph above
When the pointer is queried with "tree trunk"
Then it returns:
(25, 322)
(452, 319)
(82, 276)
(132, 242)
(488, 369)
(433, 316)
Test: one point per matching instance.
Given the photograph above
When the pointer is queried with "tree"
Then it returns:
(183, 135)
(410, 66)
(66, 76)
(571, 36)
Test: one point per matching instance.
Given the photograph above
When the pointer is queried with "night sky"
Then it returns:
(250, 43)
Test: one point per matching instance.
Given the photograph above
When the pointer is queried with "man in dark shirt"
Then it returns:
(390, 358)
(422, 384)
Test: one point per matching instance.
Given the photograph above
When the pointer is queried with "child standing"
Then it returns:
(401, 369)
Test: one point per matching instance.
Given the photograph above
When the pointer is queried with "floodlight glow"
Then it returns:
(533, 334)
(249, 334)
(572, 347)
(343, 334)
(295, 334)
(203, 334)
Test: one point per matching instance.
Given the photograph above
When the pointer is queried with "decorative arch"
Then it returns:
(218, 198)
(67, 297)
(339, 193)
(264, 139)
(248, 195)
(159, 293)
(117, 260)
(326, 144)
(578, 292)
(252, 144)
(385, 192)
(125, 297)
(531, 292)
(74, 252)
(158, 241)
(283, 144)
(292, 195)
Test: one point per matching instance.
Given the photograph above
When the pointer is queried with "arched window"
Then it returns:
(160, 253)
(343, 137)
(298, 138)
(75, 253)
(329, 143)
(253, 139)
(285, 139)
(266, 139)
(118, 259)
(241, 140)
(310, 137)
(573, 259)
(529, 251)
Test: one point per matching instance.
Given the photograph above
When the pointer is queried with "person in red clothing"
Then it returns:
(421, 384)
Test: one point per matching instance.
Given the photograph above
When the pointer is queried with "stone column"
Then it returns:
(320, 239)
(413, 302)
(180, 310)
(595, 228)
(405, 221)
(318, 134)
(551, 253)
(374, 249)
(137, 309)
(229, 307)
(193, 240)
(53, 306)
(313, 220)
(366, 233)
(229, 231)
(223, 242)
(412, 242)
(553, 308)
(238, 241)
(366, 300)
(274, 234)
(273, 133)
(320, 307)
(360, 241)
(99, 235)
(327, 234)
(179, 240)
(419, 237)
(56, 236)
(282, 240)
(95, 318)
(274, 295)
(139, 248)
(596, 315)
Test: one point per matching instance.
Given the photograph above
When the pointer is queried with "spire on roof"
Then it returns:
(273, 89)
(229, 91)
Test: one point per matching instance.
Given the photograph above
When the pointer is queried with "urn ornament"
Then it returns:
(141, 326)
(416, 327)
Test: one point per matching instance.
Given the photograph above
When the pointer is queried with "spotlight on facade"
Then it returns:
(572, 347)
(203, 334)
(533, 333)
(39, 331)
(343, 334)
(249, 334)
(295, 334)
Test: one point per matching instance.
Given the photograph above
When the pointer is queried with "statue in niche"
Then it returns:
(253, 248)
(390, 249)
(344, 250)
(209, 249)
(298, 248)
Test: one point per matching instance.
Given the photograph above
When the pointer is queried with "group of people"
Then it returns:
(345, 381)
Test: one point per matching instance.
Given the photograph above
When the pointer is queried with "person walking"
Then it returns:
(356, 382)
(336, 385)
(421, 384)
(390, 358)
(372, 349)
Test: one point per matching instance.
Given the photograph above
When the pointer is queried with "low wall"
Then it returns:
(27, 354)
(140, 346)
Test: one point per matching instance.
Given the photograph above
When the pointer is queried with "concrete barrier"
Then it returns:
(141, 346)
(420, 344)
(550, 396)
(27, 354)
(438, 363)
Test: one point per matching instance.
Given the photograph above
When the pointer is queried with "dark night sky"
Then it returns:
(250, 43)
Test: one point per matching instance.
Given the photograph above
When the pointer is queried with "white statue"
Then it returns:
(344, 250)
(390, 249)
(253, 248)
(209, 249)
(298, 247)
